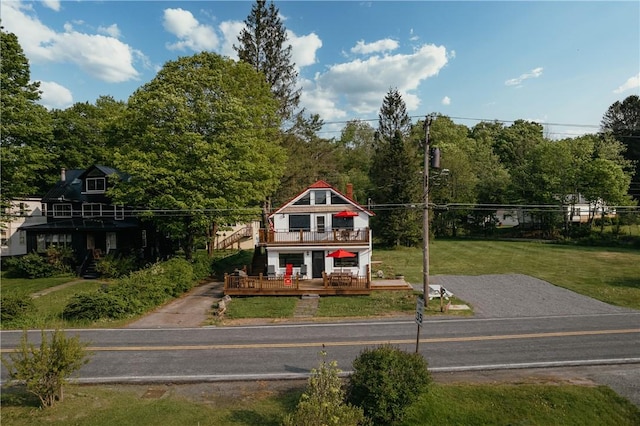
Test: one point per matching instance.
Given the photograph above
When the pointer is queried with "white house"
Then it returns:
(319, 230)
(21, 212)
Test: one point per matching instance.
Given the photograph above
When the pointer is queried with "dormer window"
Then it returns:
(95, 185)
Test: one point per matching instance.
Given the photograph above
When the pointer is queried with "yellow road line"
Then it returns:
(353, 343)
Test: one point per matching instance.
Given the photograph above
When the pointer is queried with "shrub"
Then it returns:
(46, 370)
(385, 381)
(95, 306)
(322, 403)
(60, 259)
(14, 306)
(202, 265)
(31, 265)
(116, 266)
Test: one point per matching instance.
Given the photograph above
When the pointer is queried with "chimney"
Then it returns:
(350, 191)
(63, 175)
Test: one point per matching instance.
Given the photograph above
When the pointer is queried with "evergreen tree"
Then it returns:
(263, 45)
(622, 121)
(395, 176)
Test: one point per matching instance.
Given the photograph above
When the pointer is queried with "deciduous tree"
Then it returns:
(203, 146)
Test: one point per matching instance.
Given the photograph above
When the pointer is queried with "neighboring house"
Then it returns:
(243, 236)
(312, 225)
(21, 212)
(79, 215)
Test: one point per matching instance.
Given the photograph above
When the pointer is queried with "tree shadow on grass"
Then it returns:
(17, 396)
(626, 282)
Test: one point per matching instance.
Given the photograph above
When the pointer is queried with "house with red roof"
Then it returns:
(320, 231)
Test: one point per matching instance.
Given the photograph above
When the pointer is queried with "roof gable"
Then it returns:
(321, 184)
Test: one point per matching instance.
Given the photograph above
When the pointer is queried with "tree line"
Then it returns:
(211, 141)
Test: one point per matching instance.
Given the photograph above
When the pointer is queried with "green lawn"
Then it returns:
(609, 275)
(459, 404)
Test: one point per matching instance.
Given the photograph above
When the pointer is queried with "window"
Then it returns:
(91, 210)
(144, 238)
(45, 241)
(336, 199)
(4, 241)
(95, 184)
(304, 201)
(23, 209)
(345, 262)
(296, 259)
(43, 206)
(62, 210)
(299, 222)
(342, 223)
(22, 237)
(320, 223)
(320, 196)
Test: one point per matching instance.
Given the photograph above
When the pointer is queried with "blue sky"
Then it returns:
(562, 63)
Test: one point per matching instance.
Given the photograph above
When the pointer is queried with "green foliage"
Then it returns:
(135, 293)
(116, 266)
(385, 381)
(31, 265)
(203, 139)
(15, 306)
(264, 46)
(322, 404)
(202, 265)
(45, 370)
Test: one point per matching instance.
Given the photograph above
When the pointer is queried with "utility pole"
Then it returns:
(425, 215)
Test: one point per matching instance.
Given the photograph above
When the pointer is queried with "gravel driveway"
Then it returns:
(515, 295)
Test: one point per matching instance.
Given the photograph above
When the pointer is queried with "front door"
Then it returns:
(317, 263)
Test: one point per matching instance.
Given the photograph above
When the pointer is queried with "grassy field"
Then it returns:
(609, 275)
(459, 404)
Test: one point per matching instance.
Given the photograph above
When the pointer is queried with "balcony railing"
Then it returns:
(333, 236)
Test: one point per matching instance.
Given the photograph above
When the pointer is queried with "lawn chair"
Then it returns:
(271, 271)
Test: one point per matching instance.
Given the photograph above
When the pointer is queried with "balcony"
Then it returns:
(338, 237)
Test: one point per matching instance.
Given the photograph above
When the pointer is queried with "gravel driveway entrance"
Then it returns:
(515, 295)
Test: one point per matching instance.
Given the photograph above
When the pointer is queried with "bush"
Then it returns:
(113, 266)
(46, 370)
(322, 404)
(202, 265)
(95, 306)
(385, 381)
(15, 306)
(60, 259)
(31, 265)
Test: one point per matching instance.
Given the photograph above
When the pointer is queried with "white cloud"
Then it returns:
(362, 84)
(631, 83)
(304, 48)
(446, 100)
(534, 73)
(385, 45)
(230, 32)
(191, 34)
(105, 58)
(55, 95)
(52, 4)
(112, 30)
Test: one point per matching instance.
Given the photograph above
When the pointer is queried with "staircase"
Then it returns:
(241, 234)
(90, 272)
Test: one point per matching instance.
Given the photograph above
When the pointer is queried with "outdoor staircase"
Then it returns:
(90, 271)
(236, 237)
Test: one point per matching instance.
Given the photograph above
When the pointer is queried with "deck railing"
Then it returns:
(250, 284)
(301, 237)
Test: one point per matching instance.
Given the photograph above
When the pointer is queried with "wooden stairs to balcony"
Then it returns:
(236, 237)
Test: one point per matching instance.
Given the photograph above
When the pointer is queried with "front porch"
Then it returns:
(332, 237)
(329, 285)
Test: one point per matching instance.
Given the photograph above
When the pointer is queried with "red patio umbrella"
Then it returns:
(346, 213)
(339, 254)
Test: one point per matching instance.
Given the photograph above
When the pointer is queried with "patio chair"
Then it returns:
(303, 270)
(271, 271)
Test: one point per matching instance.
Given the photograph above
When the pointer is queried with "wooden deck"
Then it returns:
(329, 285)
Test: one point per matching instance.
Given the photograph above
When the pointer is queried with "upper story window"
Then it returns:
(299, 222)
(320, 197)
(95, 185)
(91, 210)
(304, 201)
(62, 210)
(337, 199)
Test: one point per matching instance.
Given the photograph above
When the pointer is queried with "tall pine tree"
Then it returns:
(395, 175)
(263, 45)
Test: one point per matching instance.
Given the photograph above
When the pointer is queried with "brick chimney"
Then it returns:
(350, 191)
